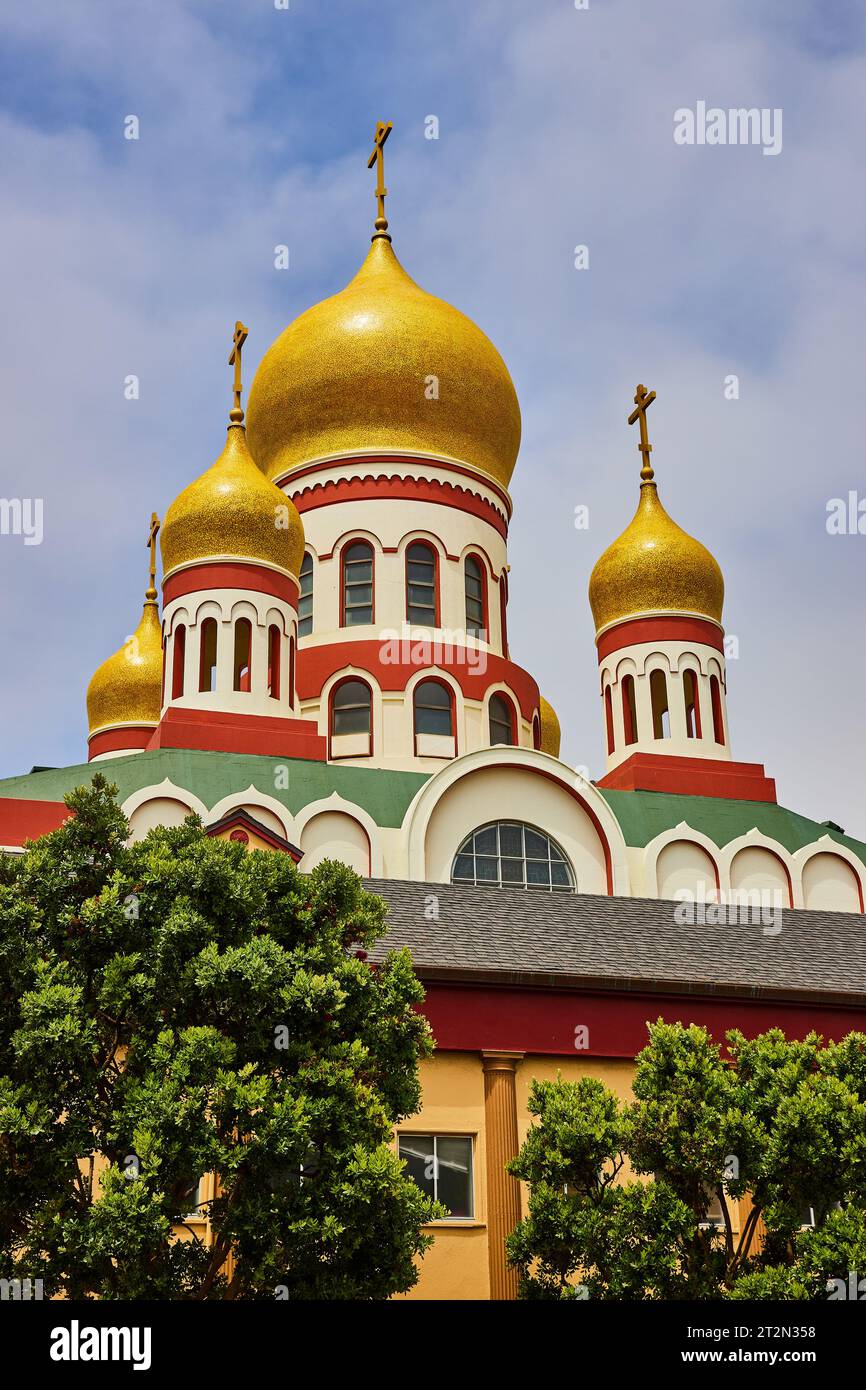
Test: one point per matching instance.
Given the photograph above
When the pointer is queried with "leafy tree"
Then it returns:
(780, 1122)
(178, 1007)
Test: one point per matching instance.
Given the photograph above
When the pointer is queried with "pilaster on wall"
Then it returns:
(503, 1191)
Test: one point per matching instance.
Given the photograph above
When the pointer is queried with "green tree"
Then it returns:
(178, 1007)
(779, 1121)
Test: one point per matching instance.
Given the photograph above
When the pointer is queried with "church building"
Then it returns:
(327, 670)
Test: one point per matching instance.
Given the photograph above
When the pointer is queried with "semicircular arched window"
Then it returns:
(509, 854)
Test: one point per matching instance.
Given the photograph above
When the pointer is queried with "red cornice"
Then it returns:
(657, 772)
(661, 628)
(316, 665)
(219, 731)
(22, 819)
(364, 461)
(112, 740)
(474, 1018)
(230, 574)
(402, 489)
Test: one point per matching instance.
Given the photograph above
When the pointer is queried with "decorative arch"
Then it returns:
(681, 832)
(254, 798)
(337, 803)
(827, 846)
(613, 858)
(755, 839)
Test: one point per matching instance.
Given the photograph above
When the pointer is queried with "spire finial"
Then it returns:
(150, 593)
(239, 337)
(383, 130)
(643, 400)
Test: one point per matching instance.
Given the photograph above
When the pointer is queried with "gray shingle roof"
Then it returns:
(512, 936)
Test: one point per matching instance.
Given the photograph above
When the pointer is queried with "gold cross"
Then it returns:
(151, 541)
(383, 130)
(643, 400)
(238, 339)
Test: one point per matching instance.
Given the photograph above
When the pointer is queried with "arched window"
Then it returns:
(692, 703)
(434, 709)
(476, 597)
(242, 654)
(421, 596)
(629, 709)
(608, 718)
(716, 702)
(305, 600)
(178, 662)
(501, 720)
(292, 670)
(275, 654)
(357, 584)
(659, 698)
(208, 655)
(503, 604)
(352, 712)
(536, 732)
(509, 854)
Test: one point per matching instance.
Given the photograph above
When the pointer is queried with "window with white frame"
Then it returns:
(509, 854)
(441, 1165)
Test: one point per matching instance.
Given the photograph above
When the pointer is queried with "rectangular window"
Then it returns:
(441, 1165)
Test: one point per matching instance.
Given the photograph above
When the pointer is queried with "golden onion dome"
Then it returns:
(654, 567)
(551, 735)
(356, 372)
(127, 688)
(233, 511)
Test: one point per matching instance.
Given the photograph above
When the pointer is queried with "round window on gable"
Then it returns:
(509, 854)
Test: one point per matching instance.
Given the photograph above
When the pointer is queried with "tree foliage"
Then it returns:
(779, 1123)
(178, 1007)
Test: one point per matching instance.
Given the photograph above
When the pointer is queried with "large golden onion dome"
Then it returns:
(233, 511)
(551, 735)
(355, 372)
(654, 567)
(127, 688)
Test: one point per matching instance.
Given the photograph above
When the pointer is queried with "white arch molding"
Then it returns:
(419, 815)
(339, 804)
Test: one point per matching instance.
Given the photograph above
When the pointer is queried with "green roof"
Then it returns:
(210, 776)
(643, 815)
(386, 795)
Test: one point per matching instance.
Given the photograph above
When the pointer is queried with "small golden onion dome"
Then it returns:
(551, 735)
(654, 567)
(357, 372)
(127, 688)
(232, 510)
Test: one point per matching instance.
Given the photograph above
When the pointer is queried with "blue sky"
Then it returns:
(556, 128)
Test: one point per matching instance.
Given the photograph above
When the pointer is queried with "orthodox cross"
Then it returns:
(383, 130)
(643, 400)
(151, 541)
(238, 339)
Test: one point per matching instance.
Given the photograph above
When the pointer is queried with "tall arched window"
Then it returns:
(509, 854)
(716, 702)
(659, 698)
(292, 647)
(275, 655)
(501, 720)
(692, 703)
(352, 709)
(305, 600)
(629, 709)
(421, 595)
(434, 709)
(476, 597)
(357, 584)
(503, 604)
(177, 665)
(242, 654)
(608, 718)
(536, 732)
(208, 655)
